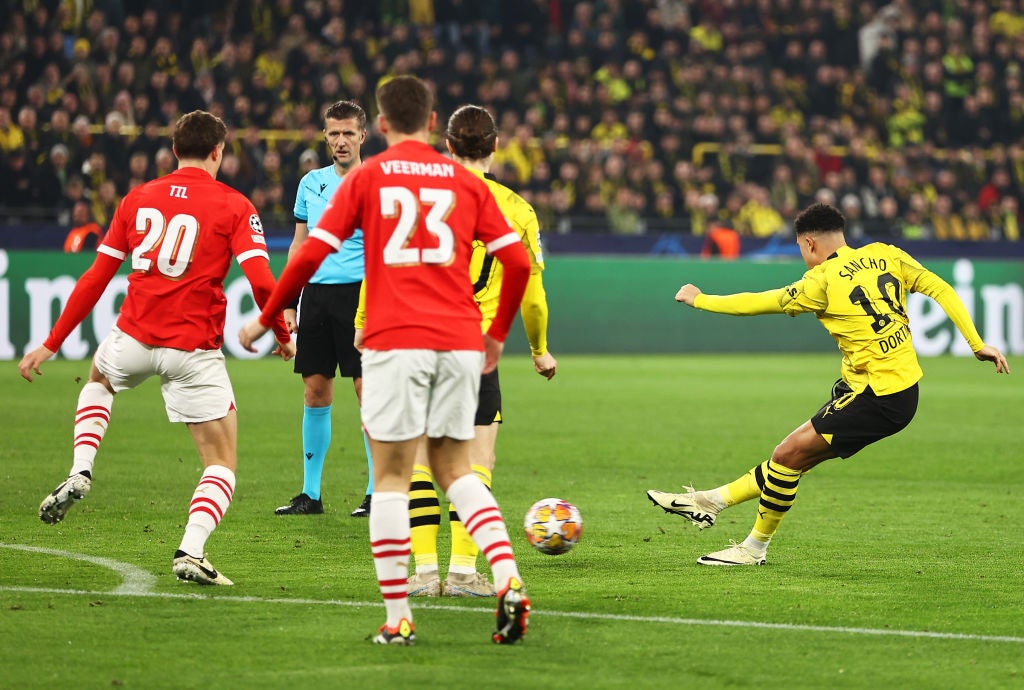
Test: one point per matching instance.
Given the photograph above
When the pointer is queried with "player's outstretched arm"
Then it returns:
(687, 294)
(992, 354)
(31, 361)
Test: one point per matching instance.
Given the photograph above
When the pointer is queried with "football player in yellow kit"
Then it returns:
(471, 139)
(859, 296)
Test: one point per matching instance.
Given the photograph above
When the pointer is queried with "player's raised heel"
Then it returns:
(736, 554)
(55, 506)
(402, 634)
(199, 570)
(693, 505)
(424, 585)
(513, 613)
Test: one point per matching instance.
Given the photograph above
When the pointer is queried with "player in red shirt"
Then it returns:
(423, 348)
(180, 233)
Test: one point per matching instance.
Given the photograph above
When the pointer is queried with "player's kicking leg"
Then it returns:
(699, 507)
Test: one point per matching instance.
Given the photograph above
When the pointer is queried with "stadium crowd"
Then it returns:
(629, 116)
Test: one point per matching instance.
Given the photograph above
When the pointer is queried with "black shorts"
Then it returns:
(488, 410)
(854, 420)
(326, 330)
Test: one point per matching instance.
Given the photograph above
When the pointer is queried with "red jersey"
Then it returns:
(419, 212)
(180, 233)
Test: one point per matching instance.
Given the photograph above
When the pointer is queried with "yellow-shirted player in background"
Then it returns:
(859, 296)
(472, 138)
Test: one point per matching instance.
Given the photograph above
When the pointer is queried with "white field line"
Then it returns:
(134, 580)
(139, 583)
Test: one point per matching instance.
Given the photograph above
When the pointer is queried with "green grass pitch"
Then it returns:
(902, 567)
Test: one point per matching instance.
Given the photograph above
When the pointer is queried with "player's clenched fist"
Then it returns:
(687, 294)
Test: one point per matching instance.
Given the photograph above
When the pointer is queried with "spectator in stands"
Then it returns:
(51, 178)
(231, 174)
(975, 223)
(114, 147)
(748, 72)
(164, 161)
(758, 216)
(887, 224)
(85, 233)
(782, 194)
(946, 224)
(994, 190)
(28, 123)
(11, 136)
(875, 189)
(17, 191)
(1006, 219)
(852, 209)
(58, 131)
(74, 192)
(140, 170)
(105, 202)
(623, 212)
(149, 141)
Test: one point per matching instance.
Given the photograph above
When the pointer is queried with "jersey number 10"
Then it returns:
(890, 290)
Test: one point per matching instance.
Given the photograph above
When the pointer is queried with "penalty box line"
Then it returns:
(580, 615)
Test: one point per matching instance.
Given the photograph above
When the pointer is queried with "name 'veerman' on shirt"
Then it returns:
(417, 168)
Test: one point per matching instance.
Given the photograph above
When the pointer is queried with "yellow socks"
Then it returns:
(424, 518)
(777, 497)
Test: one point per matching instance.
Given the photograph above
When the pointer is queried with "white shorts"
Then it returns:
(195, 385)
(408, 393)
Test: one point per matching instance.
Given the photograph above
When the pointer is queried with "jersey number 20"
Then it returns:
(401, 202)
(177, 240)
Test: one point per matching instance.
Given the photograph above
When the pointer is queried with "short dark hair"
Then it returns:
(406, 103)
(472, 132)
(346, 110)
(819, 218)
(197, 134)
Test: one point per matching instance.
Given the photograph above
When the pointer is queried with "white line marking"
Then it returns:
(134, 580)
(545, 613)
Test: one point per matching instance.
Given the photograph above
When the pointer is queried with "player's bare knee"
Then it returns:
(787, 455)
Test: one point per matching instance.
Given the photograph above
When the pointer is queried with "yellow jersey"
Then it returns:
(486, 273)
(859, 296)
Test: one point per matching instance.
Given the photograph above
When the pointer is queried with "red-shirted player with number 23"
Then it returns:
(180, 233)
(423, 350)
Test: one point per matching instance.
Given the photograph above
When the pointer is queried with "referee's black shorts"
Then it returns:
(326, 330)
(488, 410)
(850, 421)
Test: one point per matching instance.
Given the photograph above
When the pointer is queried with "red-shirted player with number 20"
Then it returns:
(423, 350)
(180, 233)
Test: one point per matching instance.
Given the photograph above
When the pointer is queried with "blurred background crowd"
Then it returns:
(622, 116)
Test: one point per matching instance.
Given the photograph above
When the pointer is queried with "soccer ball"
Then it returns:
(553, 526)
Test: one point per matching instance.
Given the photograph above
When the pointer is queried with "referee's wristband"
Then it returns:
(294, 304)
